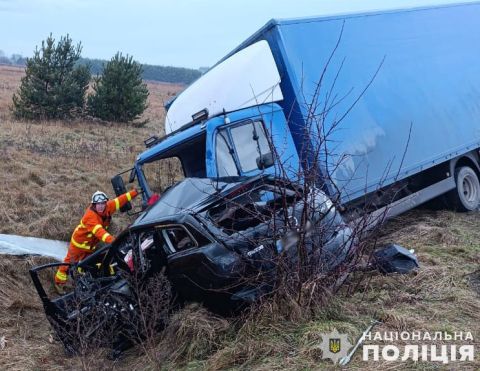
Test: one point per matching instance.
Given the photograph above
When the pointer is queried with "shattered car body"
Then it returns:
(215, 240)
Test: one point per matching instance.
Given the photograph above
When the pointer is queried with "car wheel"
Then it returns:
(466, 195)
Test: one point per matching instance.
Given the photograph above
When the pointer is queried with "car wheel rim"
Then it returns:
(470, 189)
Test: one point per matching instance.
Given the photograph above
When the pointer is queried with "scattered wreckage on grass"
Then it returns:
(216, 241)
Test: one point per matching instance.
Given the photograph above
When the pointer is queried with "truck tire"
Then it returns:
(466, 196)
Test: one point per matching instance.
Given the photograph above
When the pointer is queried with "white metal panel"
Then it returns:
(247, 78)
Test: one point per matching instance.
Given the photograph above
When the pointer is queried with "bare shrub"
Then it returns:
(152, 306)
(303, 269)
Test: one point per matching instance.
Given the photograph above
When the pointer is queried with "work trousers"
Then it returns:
(74, 255)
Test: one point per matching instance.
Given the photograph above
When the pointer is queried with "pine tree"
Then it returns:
(119, 93)
(53, 85)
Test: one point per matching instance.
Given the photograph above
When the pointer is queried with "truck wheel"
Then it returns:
(466, 196)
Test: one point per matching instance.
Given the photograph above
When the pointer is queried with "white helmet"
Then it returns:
(99, 197)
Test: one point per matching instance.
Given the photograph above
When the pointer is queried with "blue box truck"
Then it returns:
(384, 105)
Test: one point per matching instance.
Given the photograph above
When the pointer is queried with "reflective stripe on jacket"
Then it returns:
(93, 226)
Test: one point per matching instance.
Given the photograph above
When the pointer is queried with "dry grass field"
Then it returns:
(50, 169)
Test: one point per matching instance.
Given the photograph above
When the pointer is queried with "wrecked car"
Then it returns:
(215, 241)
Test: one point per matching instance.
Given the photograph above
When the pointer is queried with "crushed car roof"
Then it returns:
(192, 195)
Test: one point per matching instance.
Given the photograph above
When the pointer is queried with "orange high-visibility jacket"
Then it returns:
(93, 226)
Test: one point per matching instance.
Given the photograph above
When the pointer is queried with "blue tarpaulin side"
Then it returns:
(429, 80)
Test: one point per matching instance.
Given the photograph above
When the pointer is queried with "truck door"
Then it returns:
(251, 141)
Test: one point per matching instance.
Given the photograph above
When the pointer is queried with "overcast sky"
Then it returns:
(184, 33)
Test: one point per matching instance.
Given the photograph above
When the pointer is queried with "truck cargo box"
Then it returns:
(428, 79)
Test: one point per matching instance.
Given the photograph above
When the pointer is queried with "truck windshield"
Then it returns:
(161, 174)
(239, 146)
(185, 159)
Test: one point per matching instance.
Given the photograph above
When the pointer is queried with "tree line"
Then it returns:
(14, 59)
(175, 75)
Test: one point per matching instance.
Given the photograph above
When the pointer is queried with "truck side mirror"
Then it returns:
(264, 161)
(131, 178)
(119, 189)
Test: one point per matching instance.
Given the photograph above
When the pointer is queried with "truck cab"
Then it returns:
(240, 143)
(240, 133)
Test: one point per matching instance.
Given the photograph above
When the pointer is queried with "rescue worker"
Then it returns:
(91, 230)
